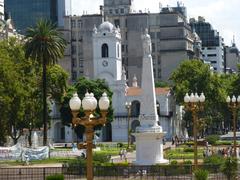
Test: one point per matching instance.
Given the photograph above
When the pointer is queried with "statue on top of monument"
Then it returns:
(147, 45)
(95, 29)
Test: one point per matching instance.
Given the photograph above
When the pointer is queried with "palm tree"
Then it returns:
(45, 45)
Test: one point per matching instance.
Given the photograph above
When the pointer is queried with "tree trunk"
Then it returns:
(15, 136)
(30, 137)
(45, 114)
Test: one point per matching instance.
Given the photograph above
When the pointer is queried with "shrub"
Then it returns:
(120, 145)
(187, 162)
(201, 174)
(55, 177)
(212, 139)
(189, 143)
(229, 168)
(214, 160)
(213, 163)
(188, 149)
(77, 162)
(174, 162)
(101, 157)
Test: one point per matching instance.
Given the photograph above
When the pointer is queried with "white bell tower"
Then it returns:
(107, 55)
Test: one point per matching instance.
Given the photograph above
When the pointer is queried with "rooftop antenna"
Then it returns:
(233, 41)
(160, 6)
(102, 13)
(70, 7)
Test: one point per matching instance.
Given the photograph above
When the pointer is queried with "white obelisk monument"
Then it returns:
(149, 135)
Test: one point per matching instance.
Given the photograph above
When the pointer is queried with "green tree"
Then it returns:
(190, 76)
(97, 87)
(195, 76)
(7, 90)
(56, 83)
(230, 167)
(45, 45)
(17, 84)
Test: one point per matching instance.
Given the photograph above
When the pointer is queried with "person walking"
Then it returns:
(121, 153)
(125, 154)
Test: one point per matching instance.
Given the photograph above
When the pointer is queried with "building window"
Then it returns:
(154, 73)
(159, 60)
(159, 73)
(74, 62)
(74, 76)
(123, 60)
(211, 48)
(152, 35)
(126, 48)
(126, 34)
(73, 36)
(73, 23)
(213, 62)
(153, 47)
(154, 60)
(116, 11)
(122, 11)
(110, 11)
(73, 49)
(80, 62)
(79, 23)
(80, 72)
(122, 48)
(104, 51)
(117, 22)
(212, 55)
(158, 46)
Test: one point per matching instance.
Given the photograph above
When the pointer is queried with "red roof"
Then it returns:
(137, 91)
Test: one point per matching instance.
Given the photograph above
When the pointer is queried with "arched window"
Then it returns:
(104, 51)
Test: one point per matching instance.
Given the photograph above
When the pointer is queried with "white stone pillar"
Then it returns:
(149, 145)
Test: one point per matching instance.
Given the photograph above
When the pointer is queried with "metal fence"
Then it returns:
(171, 172)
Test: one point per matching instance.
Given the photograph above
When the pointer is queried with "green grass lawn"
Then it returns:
(183, 153)
(45, 161)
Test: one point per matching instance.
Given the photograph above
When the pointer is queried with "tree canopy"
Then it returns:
(97, 87)
(20, 92)
(195, 76)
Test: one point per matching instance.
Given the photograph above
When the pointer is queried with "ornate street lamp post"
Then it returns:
(128, 107)
(234, 105)
(89, 104)
(194, 103)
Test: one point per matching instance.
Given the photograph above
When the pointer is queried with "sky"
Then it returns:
(222, 14)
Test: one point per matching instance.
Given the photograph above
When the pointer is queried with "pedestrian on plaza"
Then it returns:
(173, 141)
(164, 141)
(121, 153)
(125, 154)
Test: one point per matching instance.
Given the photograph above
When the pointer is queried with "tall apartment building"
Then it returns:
(232, 58)
(26, 13)
(212, 43)
(172, 39)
